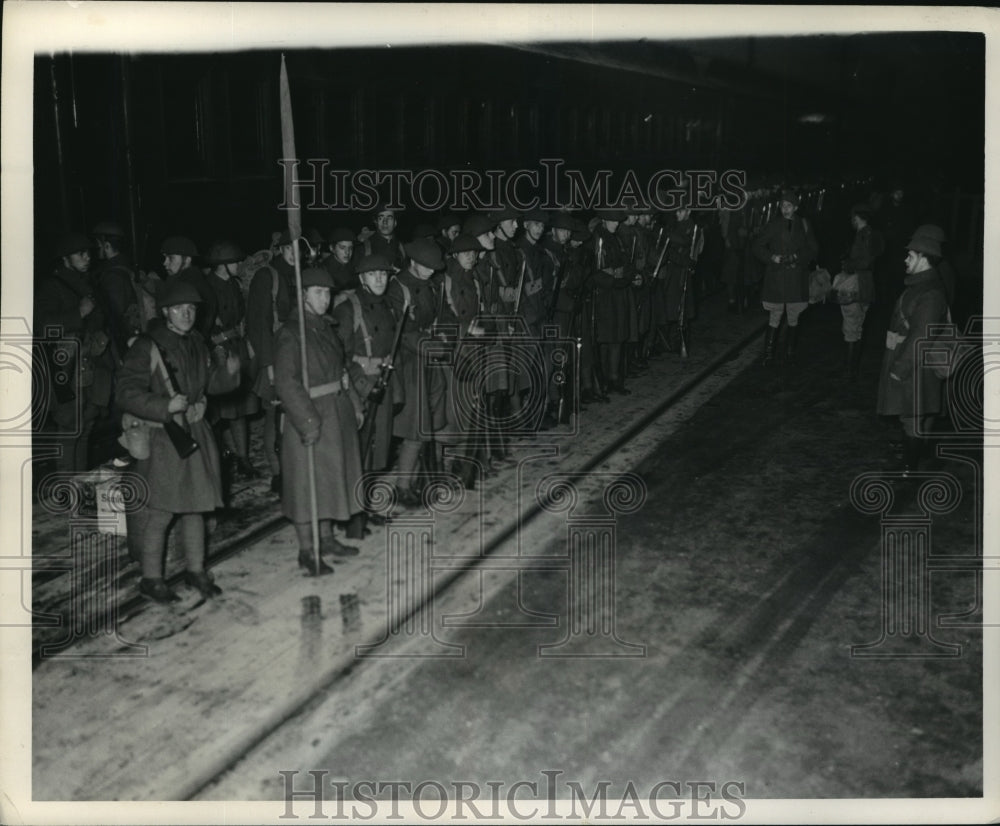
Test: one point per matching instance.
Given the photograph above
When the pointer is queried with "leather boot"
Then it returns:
(330, 546)
(357, 527)
(307, 561)
(158, 591)
(204, 582)
(770, 342)
(791, 344)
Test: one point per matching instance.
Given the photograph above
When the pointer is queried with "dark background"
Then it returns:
(188, 143)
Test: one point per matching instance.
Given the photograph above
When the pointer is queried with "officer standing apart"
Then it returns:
(322, 417)
(786, 246)
(922, 303)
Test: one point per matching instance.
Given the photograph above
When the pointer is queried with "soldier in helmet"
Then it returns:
(611, 278)
(859, 262)
(499, 373)
(418, 293)
(115, 283)
(323, 417)
(66, 302)
(678, 292)
(165, 379)
(339, 263)
(384, 240)
(366, 326)
(559, 306)
(786, 246)
(900, 393)
(535, 293)
(229, 412)
(449, 227)
(271, 301)
(461, 316)
(178, 254)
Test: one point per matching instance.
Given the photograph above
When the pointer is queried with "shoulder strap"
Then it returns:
(447, 293)
(407, 300)
(156, 363)
(275, 324)
(359, 321)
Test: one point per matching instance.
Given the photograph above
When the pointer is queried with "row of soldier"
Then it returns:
(473, 320)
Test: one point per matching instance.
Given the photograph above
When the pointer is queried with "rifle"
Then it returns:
(550, 313)
(182, 441)
(684, 285)
(377, 394)
(595, 347)
(520, 284)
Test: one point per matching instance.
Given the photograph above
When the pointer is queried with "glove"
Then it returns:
(311, 436)
(376, 394)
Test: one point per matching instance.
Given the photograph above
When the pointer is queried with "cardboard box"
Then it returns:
(101, 499)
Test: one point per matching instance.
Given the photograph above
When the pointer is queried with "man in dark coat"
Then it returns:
(859, 262)
(678, 293)
(229, 413)
(322, 417)
(271, 301)
(178, 254)
(612, 317)
(384, 240)
(787, 247)
(366, 325)
(500, 373)
(535, 291)
(339, 264)
(165, 379)
(907, 389)
(461, 318)
(114, 281)
(449, 227)
(416, 292)
(66, 302)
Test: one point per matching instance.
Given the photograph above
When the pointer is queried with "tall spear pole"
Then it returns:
(294, 232)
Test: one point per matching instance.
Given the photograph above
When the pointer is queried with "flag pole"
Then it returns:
(294, 233)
